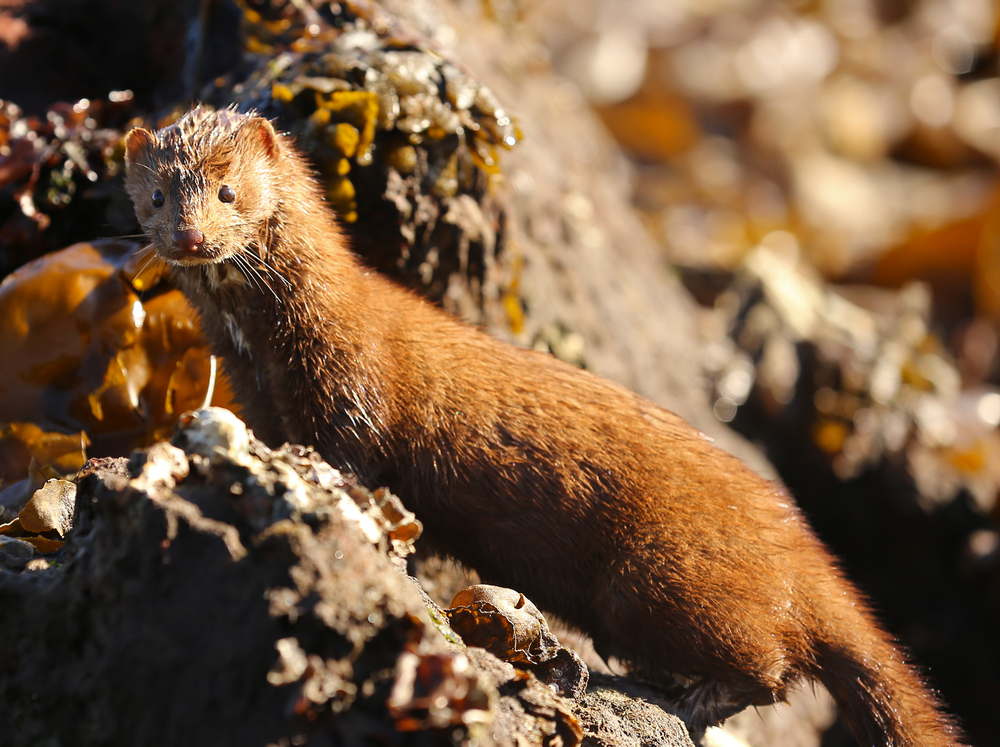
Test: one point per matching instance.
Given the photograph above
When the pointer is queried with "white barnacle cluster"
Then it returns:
(294, 478)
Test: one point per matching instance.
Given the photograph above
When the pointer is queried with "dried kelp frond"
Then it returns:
(101, 355)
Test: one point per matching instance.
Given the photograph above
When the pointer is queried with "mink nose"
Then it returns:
(188, 241)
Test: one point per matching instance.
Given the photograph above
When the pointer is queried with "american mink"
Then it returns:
(597, 504)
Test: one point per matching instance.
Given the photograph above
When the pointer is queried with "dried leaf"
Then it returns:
(11, 528)
(42, 544)
(53, 454)
(50, 509)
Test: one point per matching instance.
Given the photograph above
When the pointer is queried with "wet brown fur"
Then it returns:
(597, 504)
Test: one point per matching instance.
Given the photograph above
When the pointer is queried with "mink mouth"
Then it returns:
(192, 259)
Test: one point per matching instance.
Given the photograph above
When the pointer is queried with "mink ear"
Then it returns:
(257, 132)
(137, 142)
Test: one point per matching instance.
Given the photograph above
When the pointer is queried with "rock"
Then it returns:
(214, 591)
(15, 553)
(612, 717)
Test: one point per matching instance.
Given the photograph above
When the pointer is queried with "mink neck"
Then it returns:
(295, 339)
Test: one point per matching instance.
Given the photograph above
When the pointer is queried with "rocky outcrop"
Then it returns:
(213, 591)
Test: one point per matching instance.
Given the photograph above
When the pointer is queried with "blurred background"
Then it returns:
(822, 178)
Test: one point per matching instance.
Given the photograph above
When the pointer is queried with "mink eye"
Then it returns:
(157, 199)
(226, 194)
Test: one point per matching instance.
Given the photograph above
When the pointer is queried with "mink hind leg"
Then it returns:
(710, 660)
(708, 700)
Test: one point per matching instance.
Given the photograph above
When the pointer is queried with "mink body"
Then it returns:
(597, 504)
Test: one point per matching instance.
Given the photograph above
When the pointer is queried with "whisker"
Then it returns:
(268, 270)
(263, 279)
(262, 253)
(146, 264)
(138, 253)
(126, 236)
(244, 262)
(241, 266)
(274, 272)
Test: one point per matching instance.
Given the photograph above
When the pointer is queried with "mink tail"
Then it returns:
(882, 698)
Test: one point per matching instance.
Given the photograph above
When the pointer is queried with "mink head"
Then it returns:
(204, 188)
